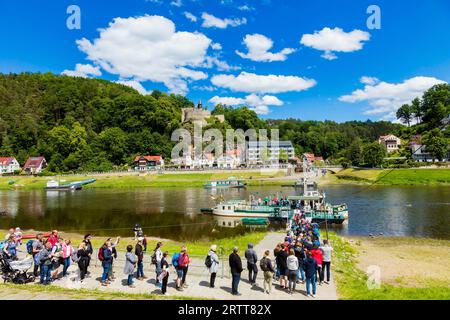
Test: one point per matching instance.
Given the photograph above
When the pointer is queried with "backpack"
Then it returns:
(208, 261)
(175, 259)
(263, 264)
(154, 260)
(100, 254)
(30, 246)
(183, 260)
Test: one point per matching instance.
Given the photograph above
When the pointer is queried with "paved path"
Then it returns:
(198, 281)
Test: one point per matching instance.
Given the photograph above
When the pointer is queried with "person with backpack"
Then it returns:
(67, 251)
(212, 263)
(252, 260)
(267, 268)
(36, 246)
(179, 270)
(183, 262)
(83, 260)
(114, 256)
(45, 258)
(235, 263)
(139, 252)
(164, 276)
(300, 254)
(156, 260)
(89, 250)
(130, 263)
(310, 267)
(105, 256)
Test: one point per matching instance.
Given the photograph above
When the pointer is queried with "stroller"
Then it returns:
(16, 271)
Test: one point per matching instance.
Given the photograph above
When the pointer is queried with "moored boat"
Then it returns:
(230, 183)
(77, 185)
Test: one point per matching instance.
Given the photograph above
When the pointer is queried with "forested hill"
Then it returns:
(90, 124)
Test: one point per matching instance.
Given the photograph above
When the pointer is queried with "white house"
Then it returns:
(8, 165)
(272, 152)
(145, 163)
(228, 162)
(420, 153)
(391, 142)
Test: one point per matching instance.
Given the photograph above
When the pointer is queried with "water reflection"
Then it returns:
(402, 211)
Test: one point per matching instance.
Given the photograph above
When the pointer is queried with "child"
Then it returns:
(18, 234)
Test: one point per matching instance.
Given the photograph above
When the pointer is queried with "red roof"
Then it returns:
(34, 162)
(309, 156)
(235, 152)
(4, 161)
(148, 158)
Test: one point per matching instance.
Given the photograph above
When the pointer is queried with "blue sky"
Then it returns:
(340, 71)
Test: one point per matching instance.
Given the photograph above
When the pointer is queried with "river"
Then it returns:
(175, 212)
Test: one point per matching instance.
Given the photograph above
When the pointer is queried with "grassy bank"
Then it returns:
(39, 292)
(200, 247)
(351, 281)
(391, 177)
(132, 180)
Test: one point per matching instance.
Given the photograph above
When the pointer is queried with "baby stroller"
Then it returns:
(16, 271)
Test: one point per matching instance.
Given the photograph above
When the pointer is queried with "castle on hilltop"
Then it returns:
(199, 114)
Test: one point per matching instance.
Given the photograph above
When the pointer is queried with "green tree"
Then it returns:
(405, 114)
(113, 142)
(436, 144)
(373, 154)
(416, 108)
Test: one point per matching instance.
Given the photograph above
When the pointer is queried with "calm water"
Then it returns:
(398, 211)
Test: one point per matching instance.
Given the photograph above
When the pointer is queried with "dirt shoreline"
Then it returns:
(405, 262)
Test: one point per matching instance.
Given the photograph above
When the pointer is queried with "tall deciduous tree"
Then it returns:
(405, 114)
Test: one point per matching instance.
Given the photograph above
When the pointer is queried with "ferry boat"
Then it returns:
(311, 203)
(230, 183)
(246, 209)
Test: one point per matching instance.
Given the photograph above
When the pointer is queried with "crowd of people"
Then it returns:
(300, 259)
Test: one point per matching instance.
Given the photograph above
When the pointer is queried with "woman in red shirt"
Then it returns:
(317, 255)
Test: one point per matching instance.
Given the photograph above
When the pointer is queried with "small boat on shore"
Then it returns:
(77, 185)
(230, 183)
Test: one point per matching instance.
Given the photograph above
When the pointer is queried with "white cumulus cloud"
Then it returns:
(335, 40)
(258, 47)
(385, 98)
(135, 85)
(149, 48)
(253, 83)
(260, 104)
(83, 71)
(210, 21)
(369, 80)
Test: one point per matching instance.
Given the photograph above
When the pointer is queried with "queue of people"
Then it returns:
(302, 258)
